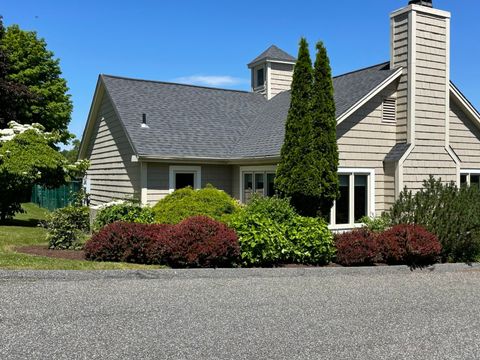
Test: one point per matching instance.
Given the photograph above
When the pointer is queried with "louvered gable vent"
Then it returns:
(389, 110)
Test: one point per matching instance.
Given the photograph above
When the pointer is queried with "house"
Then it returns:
(398, 123)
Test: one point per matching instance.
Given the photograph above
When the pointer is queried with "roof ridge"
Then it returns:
(176, 83)
(362, 69)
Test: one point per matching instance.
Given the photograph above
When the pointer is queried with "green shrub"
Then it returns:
(377, 224)
(271, 233)
(451, 213)
(67, 228)
(312, 241)
(125, 212)
(185, 203)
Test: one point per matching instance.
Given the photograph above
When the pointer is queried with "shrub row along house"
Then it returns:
(398, 123)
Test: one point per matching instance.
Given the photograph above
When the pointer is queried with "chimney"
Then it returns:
(420, 44)
(427, 3)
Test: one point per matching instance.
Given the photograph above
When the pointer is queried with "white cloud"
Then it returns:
(211, 80)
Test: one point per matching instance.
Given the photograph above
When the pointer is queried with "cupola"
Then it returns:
(272, 72)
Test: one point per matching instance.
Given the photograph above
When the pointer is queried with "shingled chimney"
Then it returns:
(420, 44)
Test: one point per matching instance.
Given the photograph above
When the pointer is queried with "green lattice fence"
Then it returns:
(53, 199)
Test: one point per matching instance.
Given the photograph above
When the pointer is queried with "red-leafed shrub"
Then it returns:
(357, 247)
(125, 242)
(198, 241)
(410, 245)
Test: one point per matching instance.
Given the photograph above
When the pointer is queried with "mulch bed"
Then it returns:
(42, 250)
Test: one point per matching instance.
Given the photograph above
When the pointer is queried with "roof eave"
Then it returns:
(265, 60)
(196, 159)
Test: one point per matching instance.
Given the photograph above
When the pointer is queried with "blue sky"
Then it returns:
(210, 42)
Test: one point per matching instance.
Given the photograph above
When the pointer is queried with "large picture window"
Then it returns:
(356, 198)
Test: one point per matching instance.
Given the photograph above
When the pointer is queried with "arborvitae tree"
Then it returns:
(31, 64)
(324, 126)
(295, 174)
(13, 96)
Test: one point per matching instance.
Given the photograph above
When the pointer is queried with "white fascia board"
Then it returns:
(370, 95)
(465, 104)
(92, 114)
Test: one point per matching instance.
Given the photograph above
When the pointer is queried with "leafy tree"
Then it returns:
(324, 131)
(32, 65)
(72, 154)
(13, 96)
(295, 178)
(27, 159)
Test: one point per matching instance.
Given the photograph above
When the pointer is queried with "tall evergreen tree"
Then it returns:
(13, 96)
(32, 65)
(294, 177)
(324, 125)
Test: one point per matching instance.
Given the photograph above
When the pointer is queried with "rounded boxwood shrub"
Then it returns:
(358, 247)
(409, 245)
(67, 227)
(126, 212)
(126, 242)
(198, 241)
(184, 203)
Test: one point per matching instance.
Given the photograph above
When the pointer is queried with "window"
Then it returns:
(470, 178)
(356, 198)
(389, 110)
(183, 176)
(260, 77)
(183, 180)
(257, 180)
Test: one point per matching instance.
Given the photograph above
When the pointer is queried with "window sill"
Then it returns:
(344, 227)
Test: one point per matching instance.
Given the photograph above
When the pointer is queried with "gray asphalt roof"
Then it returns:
(273, 53)
(198, 122)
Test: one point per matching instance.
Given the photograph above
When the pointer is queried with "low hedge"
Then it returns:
(198, 241)
(400, 245)
(195, 242)
(358, 247)
(409, 244)
(185, 203)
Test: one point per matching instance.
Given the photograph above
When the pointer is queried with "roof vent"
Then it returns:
(427, 3)
(144, 121)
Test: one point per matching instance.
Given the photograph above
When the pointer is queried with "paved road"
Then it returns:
(380, 313)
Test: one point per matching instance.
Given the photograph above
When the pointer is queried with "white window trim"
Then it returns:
(253, 169)
(468, 172)
(185, 169)
(371, 211)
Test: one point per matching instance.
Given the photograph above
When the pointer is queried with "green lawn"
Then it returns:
(23, 231)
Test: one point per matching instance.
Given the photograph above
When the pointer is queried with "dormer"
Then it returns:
(272, 72)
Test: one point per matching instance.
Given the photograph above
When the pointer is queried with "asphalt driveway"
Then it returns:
(371, 313)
